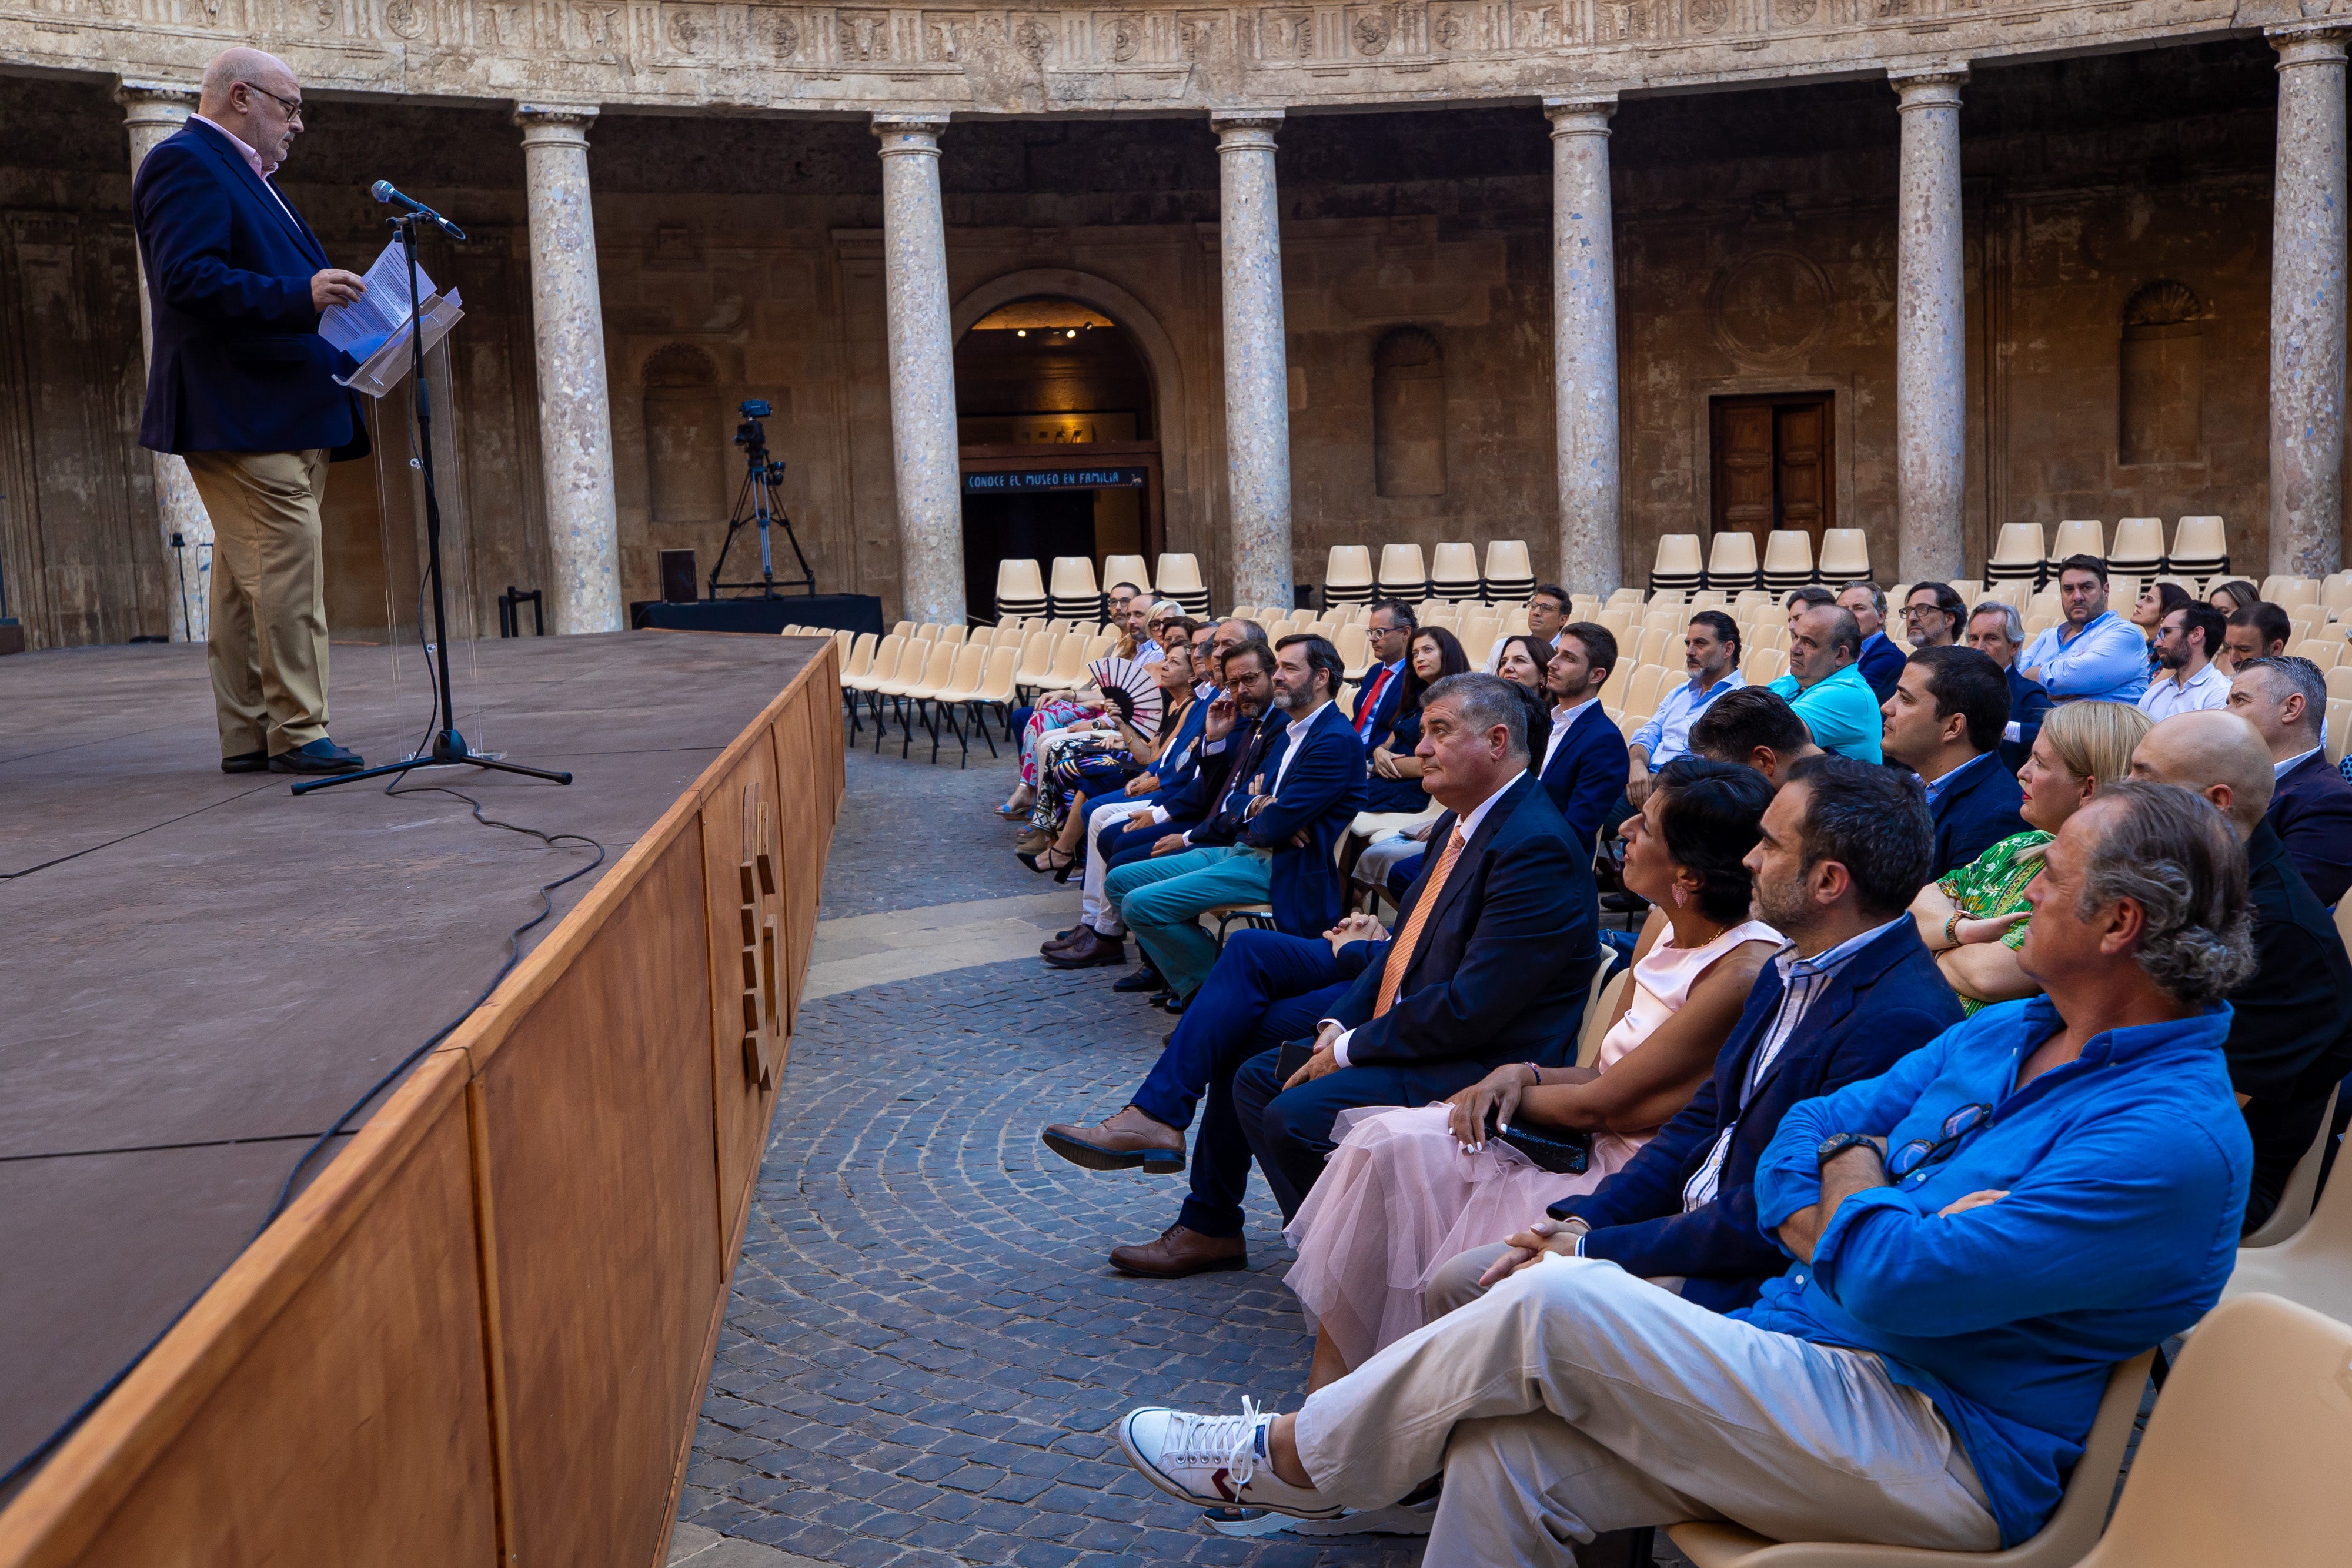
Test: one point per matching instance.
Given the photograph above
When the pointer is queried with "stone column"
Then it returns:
(154, 110)
(923, 445)
(2307, 303)
(1930, 367)
(1257, 373)
(575, 423)
(1585, 345)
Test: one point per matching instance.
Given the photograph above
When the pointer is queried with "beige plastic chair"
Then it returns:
(2018, 553)
(1655, 640)
(1478, 633)
(1355, 646)
(1074, 589)
(2078, 536)
(2339, 729)
(1598, 1003)
(1764, 665)
(1845, 556)
(1613, 689)
(1619, 620)
(960, 689)
(2138, 543)
(2314, 1264)
(2246, 1458)
(1507, 561)
(2073, 1528)
(1641, 695)
(1179, 579)
(1454, 568)
(861, 657)
(1677, 562)
(903, 628)
(1126, 569)
(2339, 689)
(954, 635)
(1348, 569)
(1098, 645)
(1732, 561)
(1069, 666)
(1020, 589)
(1403, 572)
(1787, 558)
(2200, 544)
(918, 679)
(2294, 1210)
(1036, 657)
(2324, 652)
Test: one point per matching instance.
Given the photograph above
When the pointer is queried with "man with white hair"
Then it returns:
(1996, 631)
(241, 386)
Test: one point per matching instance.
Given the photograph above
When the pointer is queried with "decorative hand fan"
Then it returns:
(1130, 688)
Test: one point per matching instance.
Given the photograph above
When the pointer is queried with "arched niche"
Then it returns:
(686, 436)
(1409, 413)
(2160, 398)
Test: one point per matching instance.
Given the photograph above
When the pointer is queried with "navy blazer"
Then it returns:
(1184, 746)
(1201, 797)
(2311, 811)
(1383, 711)
(1319, 796)
(1881, 663)
(2029, 704)
(1976, 812)
(239, 365)
(1586, 777)
(1886, 1003)
(1503, 962)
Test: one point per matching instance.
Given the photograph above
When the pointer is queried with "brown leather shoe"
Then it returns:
(1055, 942)
(1129, 1141)
(1179, 1252)
(1089, 949)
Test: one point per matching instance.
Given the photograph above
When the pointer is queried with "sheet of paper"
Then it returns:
(360, 329)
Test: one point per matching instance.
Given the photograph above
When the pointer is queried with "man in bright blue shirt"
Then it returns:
(1711, 653)
(1980, 1234)
(1825, 685)
(2094, 652)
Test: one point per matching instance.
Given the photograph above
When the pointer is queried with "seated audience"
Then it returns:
(1288, 798)
(1973, 919)
(2094, 652)
(1395, 784)
(1547, 613)
(2230, 597)
(2187, 678)
(1711, 653)
(2259, 630)
(1491, 965)
(2158, 600)
(1826, 688)
(1996, 631)
(2285, 699)
(1944, 722)
(1754, 728)
(1408, 1189)
(1933, 615)
(2290, 1034)
(1582, 757)
(1879, 662)
(1801, 600)
(1101, 762)
(1388, 627)
(1979, 1236)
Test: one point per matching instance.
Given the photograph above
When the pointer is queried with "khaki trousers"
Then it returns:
(1573, 1399)
(269, 644)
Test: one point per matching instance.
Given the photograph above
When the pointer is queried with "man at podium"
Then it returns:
(241, 386)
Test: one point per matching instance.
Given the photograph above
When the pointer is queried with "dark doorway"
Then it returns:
(1037, 526)
(1774, 465)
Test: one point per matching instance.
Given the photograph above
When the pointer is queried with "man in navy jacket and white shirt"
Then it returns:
(1944, 722)
(2284, 698)
(241, 386)
(1583, 766)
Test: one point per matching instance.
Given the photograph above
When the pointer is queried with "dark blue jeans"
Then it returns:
(1266, 989)
(1289, 1130)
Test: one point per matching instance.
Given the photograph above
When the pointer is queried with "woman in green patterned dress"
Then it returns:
(1973, 920)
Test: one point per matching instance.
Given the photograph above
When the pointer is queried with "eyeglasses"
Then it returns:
(1915, 612)
(1915, 1154)
(292, 106)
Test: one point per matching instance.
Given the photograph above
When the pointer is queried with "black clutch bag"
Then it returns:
(1293, 1057)
(1563, 1152)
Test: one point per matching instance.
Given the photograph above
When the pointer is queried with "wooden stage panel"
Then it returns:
(739, 1106)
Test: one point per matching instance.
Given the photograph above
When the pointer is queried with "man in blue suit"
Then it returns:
(1944, 722)
(241, 386)
(1880, 660)
(1390, 628)
(1584, 762)
(1843, 852)
(1271, 837)
(1495, 970)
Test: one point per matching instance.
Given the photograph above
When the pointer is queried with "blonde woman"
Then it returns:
(1973, 920)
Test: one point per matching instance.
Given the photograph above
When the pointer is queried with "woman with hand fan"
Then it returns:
(1146, 704)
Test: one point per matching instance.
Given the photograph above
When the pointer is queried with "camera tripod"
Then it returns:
(755, 506)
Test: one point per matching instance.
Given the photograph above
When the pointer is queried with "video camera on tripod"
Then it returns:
(756, 505)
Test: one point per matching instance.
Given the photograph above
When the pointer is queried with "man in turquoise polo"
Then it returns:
(1824, 686)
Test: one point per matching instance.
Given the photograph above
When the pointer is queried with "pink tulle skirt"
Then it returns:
(1399, 1198)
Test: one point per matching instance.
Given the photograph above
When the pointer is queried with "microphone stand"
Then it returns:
(449, 745)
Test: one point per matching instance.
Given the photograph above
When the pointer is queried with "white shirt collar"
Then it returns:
(252, 154)
(2280, 771)
(2206, 676)
(1562, 717)
(1468, 826)
(1299, 727)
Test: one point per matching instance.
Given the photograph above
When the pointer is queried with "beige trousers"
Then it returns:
(269, 645)
(1573, 1399)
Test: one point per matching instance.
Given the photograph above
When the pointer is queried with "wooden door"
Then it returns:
(1772, 464)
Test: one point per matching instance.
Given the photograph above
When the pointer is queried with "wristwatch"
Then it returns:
(1835, 1145)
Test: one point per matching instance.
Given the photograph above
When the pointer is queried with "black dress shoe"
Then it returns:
(322, 756)
(1147, 979)
(1176, 1005)
(246, 762)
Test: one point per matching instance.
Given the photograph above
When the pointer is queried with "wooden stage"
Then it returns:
(480, 1333)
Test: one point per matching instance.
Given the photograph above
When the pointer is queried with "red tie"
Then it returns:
(1371, 702)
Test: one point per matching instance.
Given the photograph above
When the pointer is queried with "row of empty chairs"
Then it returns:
(1075, 592)
(1452, 571)
(2199, 548)
(937, 674)
(1683, 565)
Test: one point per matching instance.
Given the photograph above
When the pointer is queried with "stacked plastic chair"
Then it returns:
(1179, 579)
(2017, 556)
(2201, 549)
(1453, 572)
(2077, 535)
(2138, 548)
(1118, 568)
(1731, 563)
(1402, 575)
(1347, 576)
(1845, 556)
(1509, 577)
(1787, 561)
(1076, 596)
(1678, 566)
(1020, 590)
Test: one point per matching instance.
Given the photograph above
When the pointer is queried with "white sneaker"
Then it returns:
(1214, 1461)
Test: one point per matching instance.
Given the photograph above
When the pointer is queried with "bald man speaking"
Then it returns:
(241, 386)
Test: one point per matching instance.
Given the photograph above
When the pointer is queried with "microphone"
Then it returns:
(383, 190)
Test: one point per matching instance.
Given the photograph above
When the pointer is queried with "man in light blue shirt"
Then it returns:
(1826, 686)
(2095, 653)
(1711, 653)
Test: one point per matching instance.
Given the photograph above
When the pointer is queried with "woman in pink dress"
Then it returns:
(1408, 1189)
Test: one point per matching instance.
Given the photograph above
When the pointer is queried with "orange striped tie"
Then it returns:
(1400, 950)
